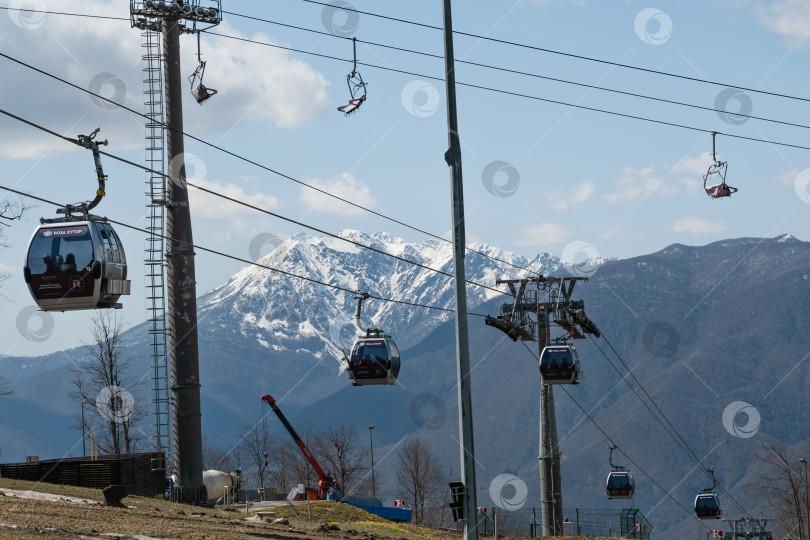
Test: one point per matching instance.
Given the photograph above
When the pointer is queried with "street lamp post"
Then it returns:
(803, 461)
(371, 439)
(84, 438)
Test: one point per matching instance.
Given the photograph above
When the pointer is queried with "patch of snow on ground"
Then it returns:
(46, 496)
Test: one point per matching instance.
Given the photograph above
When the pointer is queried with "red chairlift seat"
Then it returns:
(718, 168)
(720, 190)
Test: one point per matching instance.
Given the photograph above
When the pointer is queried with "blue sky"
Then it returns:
(539, 177)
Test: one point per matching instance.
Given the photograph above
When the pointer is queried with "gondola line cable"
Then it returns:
(247, 261)
(630, 459)
(252, 207)
(672, 429)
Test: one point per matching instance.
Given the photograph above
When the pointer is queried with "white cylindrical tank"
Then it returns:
(216, 482)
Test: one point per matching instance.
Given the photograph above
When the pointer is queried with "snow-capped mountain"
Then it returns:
(278, 310)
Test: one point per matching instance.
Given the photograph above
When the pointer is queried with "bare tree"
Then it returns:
(215, 458)
(783, 485)
(253, 453)
(298, 468)
(421, 478)
(102, 381)
(341, 455)
(9, 211)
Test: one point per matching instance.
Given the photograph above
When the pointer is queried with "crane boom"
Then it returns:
(324, 481)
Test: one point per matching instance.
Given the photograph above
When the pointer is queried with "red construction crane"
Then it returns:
(325, 482)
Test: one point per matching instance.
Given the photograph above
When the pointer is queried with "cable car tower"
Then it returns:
(175, 360)
(549, 299)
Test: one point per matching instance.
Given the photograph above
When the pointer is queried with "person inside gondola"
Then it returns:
(58, 261)
(50, 267)
(70, 263)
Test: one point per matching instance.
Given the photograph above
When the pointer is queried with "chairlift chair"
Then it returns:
(357, 87)
(200, 92)
(717, 171)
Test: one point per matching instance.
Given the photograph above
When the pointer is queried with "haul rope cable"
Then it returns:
(636, 465)
(671, 426)
(265, 167)
(240, 259)
(247, 205)
(570, 55)
(534, 75)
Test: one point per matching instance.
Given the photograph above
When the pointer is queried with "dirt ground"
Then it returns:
(71, 512)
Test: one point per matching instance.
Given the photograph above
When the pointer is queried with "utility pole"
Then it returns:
(515, 322)
(170, 18)
(465, 419)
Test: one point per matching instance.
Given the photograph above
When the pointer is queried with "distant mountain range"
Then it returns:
(702, 328)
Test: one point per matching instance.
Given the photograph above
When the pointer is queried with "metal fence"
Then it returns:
(133, 471)
(526, 523)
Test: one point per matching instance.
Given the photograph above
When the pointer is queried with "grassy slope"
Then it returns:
(162, 519)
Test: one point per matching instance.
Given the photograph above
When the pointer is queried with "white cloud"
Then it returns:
(206, 205)
(255, 83)
(789, 18)
(344, 186)
(787, 178)
(699, 226)
(540, 235)
(6, 269)
(572, 197)
(632, 184)
(692, 186)
(694, 165)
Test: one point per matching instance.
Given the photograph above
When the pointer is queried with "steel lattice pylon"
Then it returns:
(154, 264)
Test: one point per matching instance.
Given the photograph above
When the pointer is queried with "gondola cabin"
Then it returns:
(620, 485)
(707, 506)
(76, 265)
(374, 360)
(559, 364)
